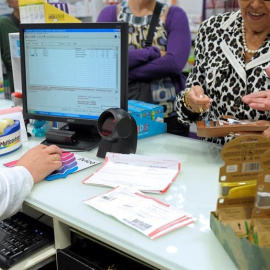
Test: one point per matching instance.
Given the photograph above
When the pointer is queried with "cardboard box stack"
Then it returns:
(241, 221)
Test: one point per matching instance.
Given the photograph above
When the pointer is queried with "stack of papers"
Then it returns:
(130, 175)
(145, 173)
(147, 215)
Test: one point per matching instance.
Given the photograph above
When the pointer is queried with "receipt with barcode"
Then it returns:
(145, 214)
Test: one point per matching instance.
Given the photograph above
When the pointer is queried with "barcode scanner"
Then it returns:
(118, 131)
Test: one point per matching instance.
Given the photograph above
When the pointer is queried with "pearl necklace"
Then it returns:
(245, 42)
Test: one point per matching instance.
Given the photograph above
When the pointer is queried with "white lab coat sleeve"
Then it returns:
(15, 185)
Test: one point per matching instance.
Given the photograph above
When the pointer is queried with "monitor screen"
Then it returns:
(72, 72)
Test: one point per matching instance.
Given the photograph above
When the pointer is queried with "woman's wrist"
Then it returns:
(185, 100)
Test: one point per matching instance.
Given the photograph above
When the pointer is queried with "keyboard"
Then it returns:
(20, 236)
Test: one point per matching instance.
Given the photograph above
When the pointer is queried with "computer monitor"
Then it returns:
(72, 72)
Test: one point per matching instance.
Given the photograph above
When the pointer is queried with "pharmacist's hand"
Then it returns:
(197, 101)
(41, 161)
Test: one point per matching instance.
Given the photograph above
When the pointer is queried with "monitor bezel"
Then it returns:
(86, 25)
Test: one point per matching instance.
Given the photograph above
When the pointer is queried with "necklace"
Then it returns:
(245, 42)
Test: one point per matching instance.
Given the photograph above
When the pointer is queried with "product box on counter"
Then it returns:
(149, 118)
(245, 255)
(142, 112)
(153, 111)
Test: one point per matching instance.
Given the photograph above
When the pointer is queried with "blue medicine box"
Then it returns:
(156, 111)
(149, 118)
(144, 113)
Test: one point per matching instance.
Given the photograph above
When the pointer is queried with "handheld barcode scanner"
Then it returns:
(118, 131)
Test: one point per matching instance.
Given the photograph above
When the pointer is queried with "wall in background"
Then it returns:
(4, 8)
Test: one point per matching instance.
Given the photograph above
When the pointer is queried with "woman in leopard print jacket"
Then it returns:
(232, 51)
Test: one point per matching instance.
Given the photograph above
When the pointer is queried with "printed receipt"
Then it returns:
(145, 214)
(145, 173)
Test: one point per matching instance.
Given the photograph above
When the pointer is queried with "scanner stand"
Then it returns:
(71, 136)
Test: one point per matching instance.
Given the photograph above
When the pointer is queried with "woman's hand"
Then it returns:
(261, 100)
(162, 53)
(196, 99)
(41, 160)
(258, 101)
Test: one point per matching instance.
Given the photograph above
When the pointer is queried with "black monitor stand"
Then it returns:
(86, 137)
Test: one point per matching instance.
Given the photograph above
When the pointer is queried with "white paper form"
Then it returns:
(145, 173)
(145, 214)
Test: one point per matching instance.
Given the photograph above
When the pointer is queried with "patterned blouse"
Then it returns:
(221, 70)
(163, 90)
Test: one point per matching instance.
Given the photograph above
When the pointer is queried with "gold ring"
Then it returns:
(55, 157)
(201, 110)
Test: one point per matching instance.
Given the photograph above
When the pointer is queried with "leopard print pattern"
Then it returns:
(221, 70)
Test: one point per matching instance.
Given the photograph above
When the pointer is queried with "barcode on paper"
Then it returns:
(251, 167)
(136, 223)
(107, 198)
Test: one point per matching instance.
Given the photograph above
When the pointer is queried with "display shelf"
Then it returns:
(85, 10)
(214, 7)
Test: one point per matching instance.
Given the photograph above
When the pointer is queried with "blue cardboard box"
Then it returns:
(156, 111)
(143, 116)
(144, 113)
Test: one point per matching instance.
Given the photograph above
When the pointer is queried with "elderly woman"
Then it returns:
(232, 52)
